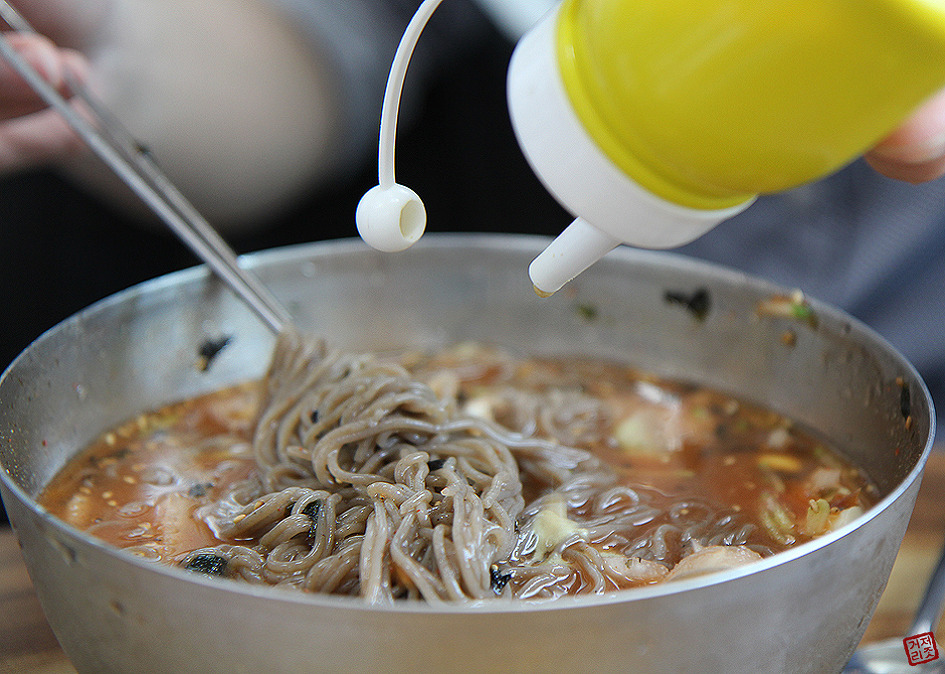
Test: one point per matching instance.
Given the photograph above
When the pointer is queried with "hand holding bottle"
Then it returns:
(915, 152)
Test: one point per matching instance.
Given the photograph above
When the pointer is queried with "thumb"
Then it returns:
(915, 152)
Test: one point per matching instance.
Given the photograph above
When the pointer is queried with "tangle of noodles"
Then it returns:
(371, 484)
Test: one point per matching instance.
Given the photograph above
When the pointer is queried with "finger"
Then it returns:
(34, 140)
(915, 152)
(51, 63)
(910, 172)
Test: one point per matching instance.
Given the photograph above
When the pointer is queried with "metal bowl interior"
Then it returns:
(803, 610)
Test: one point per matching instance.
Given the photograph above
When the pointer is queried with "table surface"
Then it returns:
(27, 644)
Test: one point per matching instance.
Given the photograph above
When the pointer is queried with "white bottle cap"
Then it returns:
(610, 207)
(391, 219)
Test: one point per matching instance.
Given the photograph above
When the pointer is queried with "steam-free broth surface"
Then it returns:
(537, 477)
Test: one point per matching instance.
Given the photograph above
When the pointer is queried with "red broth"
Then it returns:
(153, 484)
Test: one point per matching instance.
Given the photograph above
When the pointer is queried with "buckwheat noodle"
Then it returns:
(370, 483)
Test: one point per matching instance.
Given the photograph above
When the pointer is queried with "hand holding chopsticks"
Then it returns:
(130, 161)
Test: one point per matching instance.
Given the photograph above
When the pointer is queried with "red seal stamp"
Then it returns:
(921, 648)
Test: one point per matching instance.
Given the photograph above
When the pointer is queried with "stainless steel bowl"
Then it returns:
(800, 611)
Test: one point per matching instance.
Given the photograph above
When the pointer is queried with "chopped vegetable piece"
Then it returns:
(711, 559)
(778, 438)
(818, 517)
(802, 311)
(846, 516)
(639, 435)
(777, 519)
(631, 571)
(823, 480)
(784, 463)
(794, 306)
(632, 434)
(552, 527)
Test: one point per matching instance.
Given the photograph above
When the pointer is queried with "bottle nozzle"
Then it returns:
(578, 247)
(612, 206)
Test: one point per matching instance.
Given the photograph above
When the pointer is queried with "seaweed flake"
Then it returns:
(199, 490)
(209, 350)
(905, 400)
(210, 564)
(312, 509)
(498, 580)
(436, 464)
(698, 303)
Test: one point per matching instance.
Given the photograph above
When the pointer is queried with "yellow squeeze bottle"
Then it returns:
(653, 121)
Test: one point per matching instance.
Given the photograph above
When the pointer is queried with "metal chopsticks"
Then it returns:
(114, 145)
